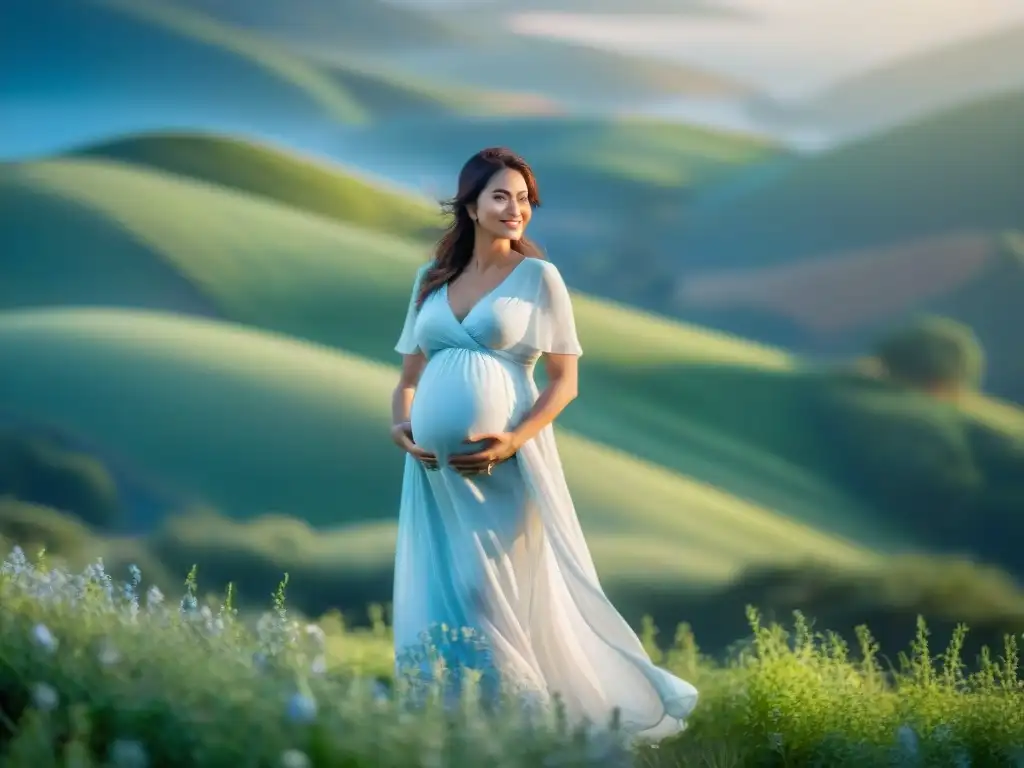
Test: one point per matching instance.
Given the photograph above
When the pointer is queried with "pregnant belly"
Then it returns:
(461, 393)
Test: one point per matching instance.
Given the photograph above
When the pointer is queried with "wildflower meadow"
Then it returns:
(95, 671)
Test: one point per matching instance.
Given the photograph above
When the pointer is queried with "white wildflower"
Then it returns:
(44, 638)
(154, 598)
(109, 655)
(294, 758)
(16, 563)
(45, 697)
(316, 634)
(319, 665)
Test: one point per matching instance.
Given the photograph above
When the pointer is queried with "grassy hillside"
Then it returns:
(924, 82)
(351, 25)
(272, 173)
(954, 171)
(637, 150)
(123, 243)
(137, 56)
(616, 191)
(306, 434)
(679, 8)
(689, 411)
(114, 50)
(614, 187)
(578, 76)
(277, 268)
(911, 220)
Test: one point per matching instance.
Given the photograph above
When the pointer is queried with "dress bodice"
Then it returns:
(525, 315)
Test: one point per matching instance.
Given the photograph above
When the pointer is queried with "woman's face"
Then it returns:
(503, 208)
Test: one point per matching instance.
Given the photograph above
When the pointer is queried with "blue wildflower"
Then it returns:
(301, 708)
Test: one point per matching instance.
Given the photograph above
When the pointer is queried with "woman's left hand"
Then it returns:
(502, 446)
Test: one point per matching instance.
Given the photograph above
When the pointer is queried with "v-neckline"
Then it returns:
(483, 295)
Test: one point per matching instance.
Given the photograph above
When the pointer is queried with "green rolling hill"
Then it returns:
(350, 25)
(580, 77)
(617, 191)
(937, 78)
(266, 424)
(135, 56)
(825, 253)
(235, 340)
(602, 178)
(637, 150)
(267, 265)
(273, 173)
(275, 267)
(893, 187)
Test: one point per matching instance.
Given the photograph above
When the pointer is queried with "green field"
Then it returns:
(232, 336)
(270, 172)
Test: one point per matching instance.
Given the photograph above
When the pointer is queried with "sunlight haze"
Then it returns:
(790, 48)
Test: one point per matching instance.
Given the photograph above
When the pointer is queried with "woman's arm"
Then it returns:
(563, 379)
(405, 390)
(401, 408)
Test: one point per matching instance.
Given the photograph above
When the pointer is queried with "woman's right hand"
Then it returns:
(402, 435)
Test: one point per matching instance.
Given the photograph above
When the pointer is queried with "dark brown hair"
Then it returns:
(455, 248)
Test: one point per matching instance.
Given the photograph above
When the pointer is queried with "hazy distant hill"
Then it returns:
(633, 7)
(348, 25)
(613, 190)
(494, 56)
(909, 220)
(153, 58)
(912, 86)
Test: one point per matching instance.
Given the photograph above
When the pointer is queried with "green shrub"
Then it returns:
(888, 596)
(933, 353)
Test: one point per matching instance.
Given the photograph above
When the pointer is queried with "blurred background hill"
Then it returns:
(798, 274)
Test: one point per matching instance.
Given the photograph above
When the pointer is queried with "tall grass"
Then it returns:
(95, 672)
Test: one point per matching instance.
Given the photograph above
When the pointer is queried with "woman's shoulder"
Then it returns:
(545, 273)
(541, 267)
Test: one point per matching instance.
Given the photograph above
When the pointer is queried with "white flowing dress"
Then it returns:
(502, 558)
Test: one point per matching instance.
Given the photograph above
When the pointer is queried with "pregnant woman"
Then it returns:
(489, 545)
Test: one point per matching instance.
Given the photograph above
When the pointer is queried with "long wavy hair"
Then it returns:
(455, 248)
